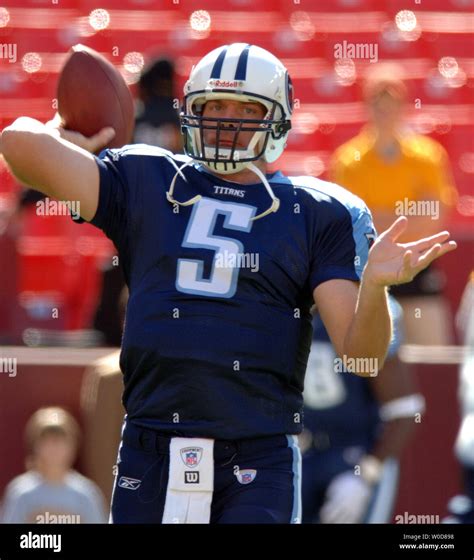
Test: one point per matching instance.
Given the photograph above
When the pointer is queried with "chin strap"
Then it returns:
(179, 171)
(275, 201)
(169, 194)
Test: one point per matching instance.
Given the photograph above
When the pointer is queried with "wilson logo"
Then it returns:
(191, 477)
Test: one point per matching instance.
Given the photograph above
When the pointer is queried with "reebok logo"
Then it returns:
(129, 483)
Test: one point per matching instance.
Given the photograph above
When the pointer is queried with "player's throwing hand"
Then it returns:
(91, 144)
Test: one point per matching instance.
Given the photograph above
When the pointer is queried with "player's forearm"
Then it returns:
(60, 167)
(369, 333)
(26, 146)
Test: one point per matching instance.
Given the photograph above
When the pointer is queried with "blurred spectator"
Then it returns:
(355, 431)
(51, 491)
(397, 172)
(157, 124)
(102, 418)
(157, 120)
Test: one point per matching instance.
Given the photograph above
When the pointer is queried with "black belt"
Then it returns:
(153, 441)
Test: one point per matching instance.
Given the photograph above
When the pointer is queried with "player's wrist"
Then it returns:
(371, 281)
(371, 469)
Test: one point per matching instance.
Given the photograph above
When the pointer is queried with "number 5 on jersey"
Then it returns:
(199, 235)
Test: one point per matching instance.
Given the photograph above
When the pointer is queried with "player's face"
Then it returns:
(230, 109)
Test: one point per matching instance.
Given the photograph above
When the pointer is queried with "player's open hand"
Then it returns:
(391, 263)
(92, 143)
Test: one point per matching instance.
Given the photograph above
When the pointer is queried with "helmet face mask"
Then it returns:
(218, 154)
(266, 82)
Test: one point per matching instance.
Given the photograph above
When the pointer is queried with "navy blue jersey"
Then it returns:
(218, 329)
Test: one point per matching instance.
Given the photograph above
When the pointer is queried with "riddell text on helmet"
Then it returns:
(226, 83)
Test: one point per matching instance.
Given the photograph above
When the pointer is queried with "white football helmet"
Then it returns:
(240, 72)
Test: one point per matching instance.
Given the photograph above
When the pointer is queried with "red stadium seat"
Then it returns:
(52, 250)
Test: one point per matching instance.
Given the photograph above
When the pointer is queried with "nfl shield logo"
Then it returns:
(246, 476)
(191, 456)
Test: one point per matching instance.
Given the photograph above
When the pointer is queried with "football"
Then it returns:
(92, 94)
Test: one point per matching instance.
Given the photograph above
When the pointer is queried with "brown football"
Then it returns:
(93, 94)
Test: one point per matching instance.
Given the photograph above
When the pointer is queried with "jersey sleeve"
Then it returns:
(113, 211)
(341, 249)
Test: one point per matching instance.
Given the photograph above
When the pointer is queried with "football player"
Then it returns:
(223, 261)
(355, 429)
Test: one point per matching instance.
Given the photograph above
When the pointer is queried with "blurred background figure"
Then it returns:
(461, 508)
(50, 491)
(355, 431)
(156, 124)
(102, 415)
(397, 172)
(157, 121)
